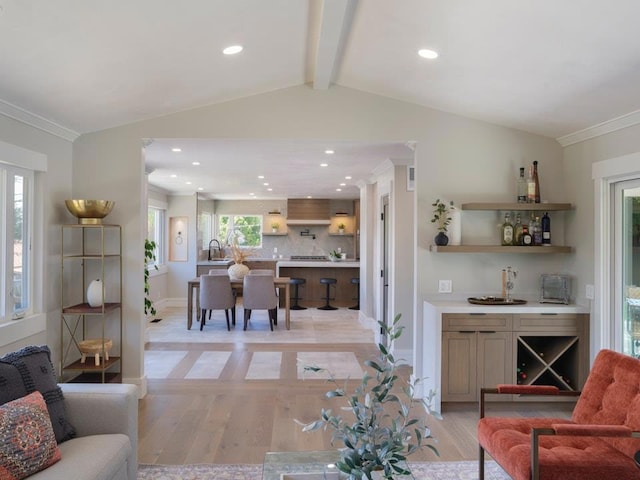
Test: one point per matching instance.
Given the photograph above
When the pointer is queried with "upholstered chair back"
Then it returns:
(216, 292)
(258, 292)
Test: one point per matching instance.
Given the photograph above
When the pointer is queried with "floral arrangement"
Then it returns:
(441, 215)
(275, 225)
(239, 255)
(381, 430)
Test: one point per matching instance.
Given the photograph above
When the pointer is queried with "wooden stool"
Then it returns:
(295, 282)
(94, 347)
(328, 282)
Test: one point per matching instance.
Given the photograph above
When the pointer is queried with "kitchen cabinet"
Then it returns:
(476, 353)
(486, 349)
(91, 252)
(509, 207)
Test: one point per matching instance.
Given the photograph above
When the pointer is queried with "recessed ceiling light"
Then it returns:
(343, 184)
(348, 177)
(265, 184)
(232, 50)
(188, 183)
(200, 188)
(252, 194)
(195, 163)
(324, 164)
(429, 54)
(329, 152)
(260, 176)
(176, 149)
(173, 175)
(338, 189)
(270, 189)
(309, 196)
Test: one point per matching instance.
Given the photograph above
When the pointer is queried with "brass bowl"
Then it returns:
(89, 212)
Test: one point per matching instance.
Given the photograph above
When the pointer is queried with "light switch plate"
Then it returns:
(445, 286)
(589, 292)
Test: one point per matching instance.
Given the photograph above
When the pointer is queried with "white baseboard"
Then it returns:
(141, 383)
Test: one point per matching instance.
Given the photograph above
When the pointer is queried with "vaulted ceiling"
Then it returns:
(550, 68)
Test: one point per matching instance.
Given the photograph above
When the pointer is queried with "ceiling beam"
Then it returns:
(335, 23)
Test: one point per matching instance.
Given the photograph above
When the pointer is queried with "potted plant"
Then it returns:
(441, 216)
(341, 227)
(238, 270)
(381, 431)
(274, 227)
(149, 259)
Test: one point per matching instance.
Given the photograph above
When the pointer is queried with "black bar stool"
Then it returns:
(356, 281)
(328, 282)
(296, 282)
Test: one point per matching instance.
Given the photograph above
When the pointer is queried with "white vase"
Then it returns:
(237, 271)
(454, 231)
(94, 293)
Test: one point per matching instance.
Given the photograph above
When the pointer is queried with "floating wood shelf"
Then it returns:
(499, 249)
(534, 207)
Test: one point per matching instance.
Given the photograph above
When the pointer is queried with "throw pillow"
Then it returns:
(28, 370)
(27, 441)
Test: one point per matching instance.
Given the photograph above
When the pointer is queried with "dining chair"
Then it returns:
(261, 271)
(216, 294)
(258, 293)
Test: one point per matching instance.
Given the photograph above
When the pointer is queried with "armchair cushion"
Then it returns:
(30, 369)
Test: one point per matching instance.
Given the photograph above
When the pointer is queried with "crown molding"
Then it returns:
(628, 120)
(21, 115)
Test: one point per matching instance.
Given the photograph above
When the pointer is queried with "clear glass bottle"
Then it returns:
(507, 230)
(517, 231)
(527, 239)
(522, 187)
(536, 231)
(546, 229)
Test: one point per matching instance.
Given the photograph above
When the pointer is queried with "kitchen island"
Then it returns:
(312, 271)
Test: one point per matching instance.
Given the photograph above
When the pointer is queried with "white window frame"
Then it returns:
(232, 227)
(160, 234)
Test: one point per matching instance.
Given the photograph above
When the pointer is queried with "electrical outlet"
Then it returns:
(589, 292)
(445, 286)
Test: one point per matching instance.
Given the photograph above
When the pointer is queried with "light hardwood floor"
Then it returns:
(228, 419)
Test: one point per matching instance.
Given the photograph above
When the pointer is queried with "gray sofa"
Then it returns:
(105, 417)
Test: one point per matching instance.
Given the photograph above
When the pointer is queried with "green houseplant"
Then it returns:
(381, 430)
(441, 216)
(149, 259)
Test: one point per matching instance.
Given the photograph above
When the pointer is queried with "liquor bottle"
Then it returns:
(536, 181)
(546, 229)
(517, 231)
(507, 230)
(531, 187)
(536, 232)
(522, 187)
(527, 239)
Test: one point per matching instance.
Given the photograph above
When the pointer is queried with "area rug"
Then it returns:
(421, 471)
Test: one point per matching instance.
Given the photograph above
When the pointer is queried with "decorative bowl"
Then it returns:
(89, 212)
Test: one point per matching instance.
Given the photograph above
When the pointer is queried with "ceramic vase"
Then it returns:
(237, 271)
(441, 239)
(94, 293)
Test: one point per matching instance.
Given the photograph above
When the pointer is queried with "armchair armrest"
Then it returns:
(95, 409)
(508, 389)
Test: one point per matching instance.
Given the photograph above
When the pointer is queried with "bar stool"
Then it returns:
(328, 282)
(356, 281)
(296, 282)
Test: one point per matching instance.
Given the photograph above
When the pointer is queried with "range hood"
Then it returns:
(308, 211)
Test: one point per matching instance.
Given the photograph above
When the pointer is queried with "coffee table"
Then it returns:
(289, 465)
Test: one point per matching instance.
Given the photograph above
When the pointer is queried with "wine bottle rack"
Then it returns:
(548, 360)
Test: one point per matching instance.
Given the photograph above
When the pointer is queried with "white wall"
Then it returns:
(53, 187)
(457, 158)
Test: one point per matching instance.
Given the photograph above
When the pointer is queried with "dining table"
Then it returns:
(281, 283)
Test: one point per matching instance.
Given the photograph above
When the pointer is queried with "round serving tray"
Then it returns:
(494, 301)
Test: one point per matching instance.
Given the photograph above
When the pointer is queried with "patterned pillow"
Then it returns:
(28, 370)
(27, 441)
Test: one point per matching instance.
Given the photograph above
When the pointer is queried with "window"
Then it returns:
(16, 205)
(156, 229)
(245, 229)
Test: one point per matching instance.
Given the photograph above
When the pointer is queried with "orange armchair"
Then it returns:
(599, 442)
